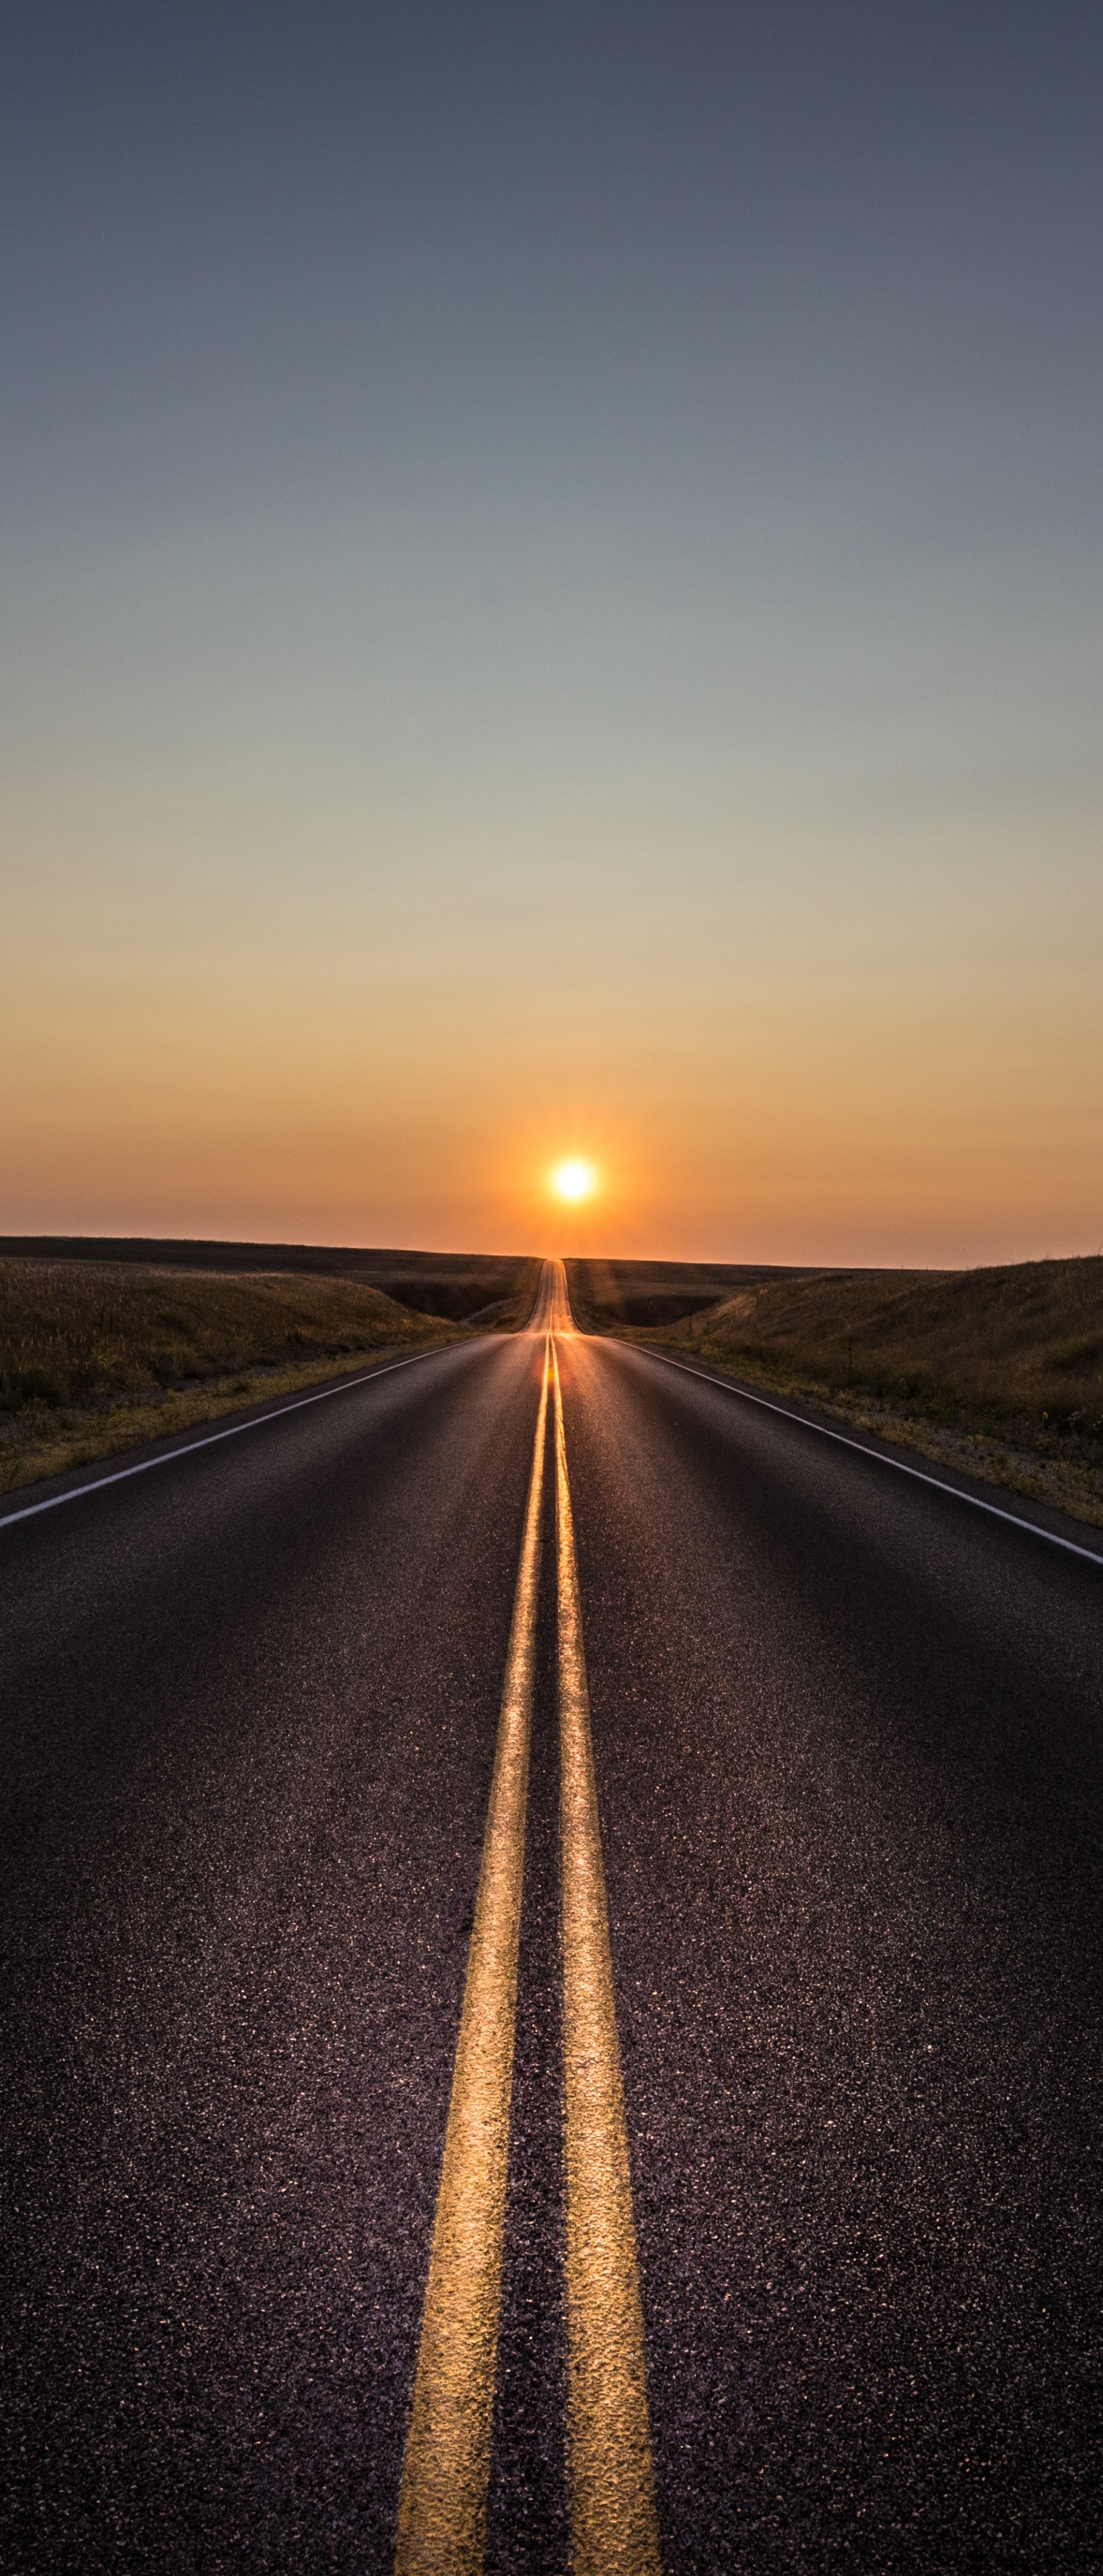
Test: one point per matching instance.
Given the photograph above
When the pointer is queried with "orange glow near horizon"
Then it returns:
(188, 1105)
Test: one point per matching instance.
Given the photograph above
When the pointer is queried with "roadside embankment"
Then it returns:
(997, 1372)
(96, 1358)
(606, 1294)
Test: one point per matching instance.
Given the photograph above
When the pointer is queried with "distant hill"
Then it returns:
(608, 1294)
(998, 1371)
(458, 1285)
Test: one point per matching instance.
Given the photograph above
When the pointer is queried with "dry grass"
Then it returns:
(461, 1286)
(607, 1294)
(95, 1358)
(998, 1371)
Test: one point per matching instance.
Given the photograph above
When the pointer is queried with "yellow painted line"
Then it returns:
(613, 2526)
(442, 2512)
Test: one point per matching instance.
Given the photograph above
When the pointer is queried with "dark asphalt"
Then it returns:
(847, 1737)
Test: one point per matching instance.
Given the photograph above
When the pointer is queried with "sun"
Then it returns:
(573, 1180)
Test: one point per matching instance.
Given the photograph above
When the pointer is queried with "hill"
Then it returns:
(999, 1370)
(458, 1285)
(97, 1356)
(607, 1294)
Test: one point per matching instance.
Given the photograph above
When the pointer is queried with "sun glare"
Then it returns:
(574, 1180)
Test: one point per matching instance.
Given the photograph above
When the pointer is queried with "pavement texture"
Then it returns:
(847, 1735)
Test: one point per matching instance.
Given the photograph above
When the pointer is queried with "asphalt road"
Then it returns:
(846, 1735)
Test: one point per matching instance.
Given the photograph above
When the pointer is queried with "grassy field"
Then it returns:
(96, 1357)
(605, 1294)
(997, 1371)
(464, 1286)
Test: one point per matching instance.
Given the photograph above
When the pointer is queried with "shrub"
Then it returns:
(22, 1386)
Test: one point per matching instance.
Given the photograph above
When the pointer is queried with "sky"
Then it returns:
(550, 605)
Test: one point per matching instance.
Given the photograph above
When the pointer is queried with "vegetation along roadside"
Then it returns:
(997, 1372)
(96, 1358)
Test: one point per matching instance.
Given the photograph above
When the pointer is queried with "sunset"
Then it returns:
(497, 602)
(551, 1288)
(574, 1180)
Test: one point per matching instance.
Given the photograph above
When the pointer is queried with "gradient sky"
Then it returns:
(551, 603)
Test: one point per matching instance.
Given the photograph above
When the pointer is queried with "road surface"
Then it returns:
(553, 1937)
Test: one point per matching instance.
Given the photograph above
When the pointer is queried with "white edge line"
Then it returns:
(96, 1484)
(1094, 1556)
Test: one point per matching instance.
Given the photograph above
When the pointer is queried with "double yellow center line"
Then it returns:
(442, 2512)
